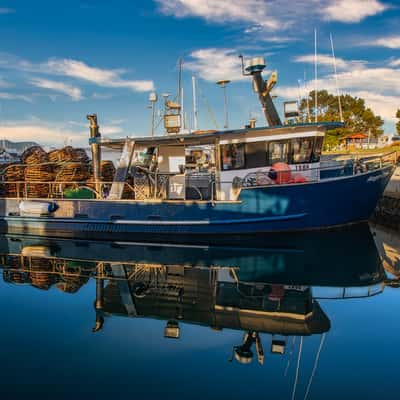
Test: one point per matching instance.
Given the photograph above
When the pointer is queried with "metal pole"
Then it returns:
(316, 77)
(226, 108)
(336, 80)
(195, 115)
(183, 123)
(96, 152)
(152, 117)
(99, 303)
(222, 83)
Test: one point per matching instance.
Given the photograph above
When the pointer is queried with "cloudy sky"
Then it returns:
(62, 60)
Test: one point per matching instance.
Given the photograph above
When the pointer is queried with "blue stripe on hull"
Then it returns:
(263, 209)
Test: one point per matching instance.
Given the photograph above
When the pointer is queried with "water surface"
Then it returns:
(313, 316)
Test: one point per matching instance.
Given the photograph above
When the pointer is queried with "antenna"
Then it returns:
(180, 62)
(207, 104)
(336, 80)
(153, 100)
(307, 97)
(223, 83)
(316, 76)
(195, 114)
(243, 69)
(299, 91)
(182, 110)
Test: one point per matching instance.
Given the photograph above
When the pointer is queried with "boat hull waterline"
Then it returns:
(275, 208)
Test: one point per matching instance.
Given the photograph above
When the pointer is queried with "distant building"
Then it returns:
(396, 139)
(363, 141)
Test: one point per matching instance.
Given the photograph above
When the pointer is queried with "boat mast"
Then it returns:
(336, 80)
(223, 83)
(195, 115)
(315, 76)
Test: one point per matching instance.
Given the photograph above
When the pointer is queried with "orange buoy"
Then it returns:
(283, 172)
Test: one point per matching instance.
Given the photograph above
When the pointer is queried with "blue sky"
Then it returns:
(62, 60)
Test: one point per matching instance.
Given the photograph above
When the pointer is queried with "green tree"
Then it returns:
(357, 117)
(398, 122)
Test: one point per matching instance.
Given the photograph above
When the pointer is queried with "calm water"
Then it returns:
(305, 317)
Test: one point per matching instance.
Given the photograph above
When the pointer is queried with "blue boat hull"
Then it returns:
(284, 208)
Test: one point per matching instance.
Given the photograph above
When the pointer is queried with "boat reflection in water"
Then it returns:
(272, 290)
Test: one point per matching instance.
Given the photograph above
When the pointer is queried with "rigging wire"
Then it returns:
(336, 80)
(207, 104)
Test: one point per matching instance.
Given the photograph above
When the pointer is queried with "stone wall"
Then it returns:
(387, 213)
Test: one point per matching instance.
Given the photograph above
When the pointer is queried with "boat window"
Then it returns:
(278, 152)
(301, 150)
(316, 155)
(232, 156)
(256, 155)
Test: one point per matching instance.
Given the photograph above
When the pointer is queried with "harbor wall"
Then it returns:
(387, 213)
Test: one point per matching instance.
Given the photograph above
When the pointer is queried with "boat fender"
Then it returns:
(37, 207)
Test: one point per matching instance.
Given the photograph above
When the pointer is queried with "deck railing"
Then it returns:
(348, 167)
(156, 185)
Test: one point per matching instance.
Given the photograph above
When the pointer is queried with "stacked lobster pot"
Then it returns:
(107, 174)
(13, 177)
(72, 167)
(44, 175)
(39, 172)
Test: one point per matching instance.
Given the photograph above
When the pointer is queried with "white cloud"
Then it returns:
(352, 10)
(112, 128)
(110, 78)
(377, 85)
(322, 60)
(214, 64)
(383, 105)
(395, 63)
(43, 133)
(74, 92)
(12, 96)
(221, 11)
(391, 42)
(272, 15)
(101, 77)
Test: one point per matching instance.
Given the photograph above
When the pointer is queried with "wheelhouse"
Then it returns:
(208, 166)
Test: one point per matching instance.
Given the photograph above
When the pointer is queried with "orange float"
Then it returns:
(283, 172)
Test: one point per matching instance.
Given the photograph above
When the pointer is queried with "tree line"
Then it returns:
(357, 116)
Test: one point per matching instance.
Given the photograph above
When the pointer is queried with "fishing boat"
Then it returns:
(212, 185)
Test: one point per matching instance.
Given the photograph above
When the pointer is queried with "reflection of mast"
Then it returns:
(297, 369)
(315, 365)
(99, 298)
